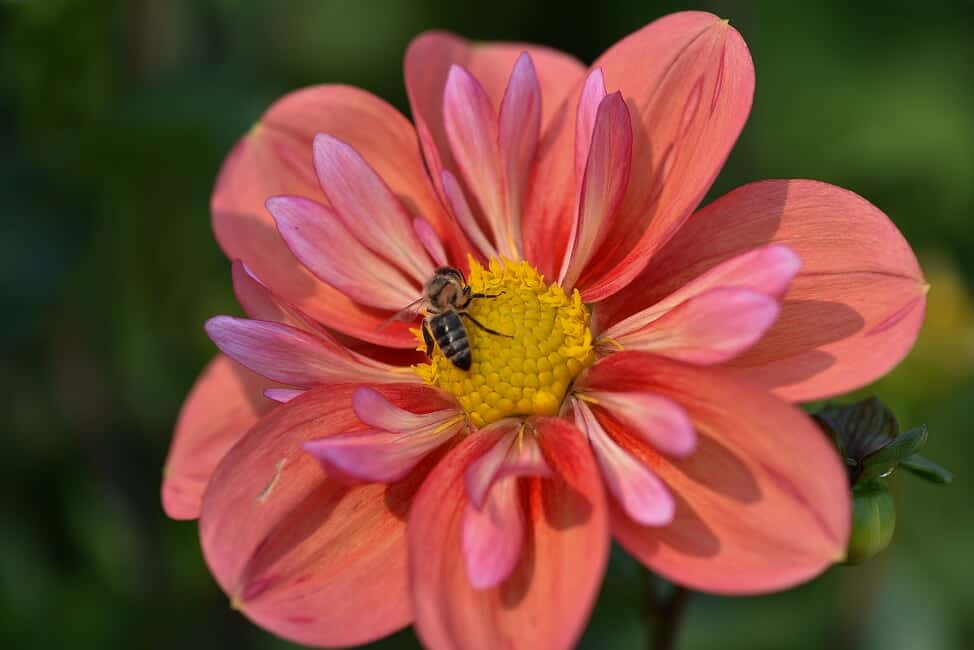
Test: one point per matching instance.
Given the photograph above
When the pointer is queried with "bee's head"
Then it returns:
(445, 288)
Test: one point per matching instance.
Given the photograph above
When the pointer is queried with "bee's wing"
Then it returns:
(407, 313)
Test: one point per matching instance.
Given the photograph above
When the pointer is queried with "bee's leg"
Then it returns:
(427, 338)
(484, 327)
(485, 295)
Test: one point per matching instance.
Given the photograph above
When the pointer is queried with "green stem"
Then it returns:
(666, 610)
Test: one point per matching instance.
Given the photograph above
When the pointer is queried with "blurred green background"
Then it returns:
(114, 117)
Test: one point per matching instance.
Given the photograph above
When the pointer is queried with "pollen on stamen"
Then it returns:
(527, 372)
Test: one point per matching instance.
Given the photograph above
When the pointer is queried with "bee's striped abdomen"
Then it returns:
(451, 336)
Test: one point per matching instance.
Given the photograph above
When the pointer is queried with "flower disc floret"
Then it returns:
(544, 342)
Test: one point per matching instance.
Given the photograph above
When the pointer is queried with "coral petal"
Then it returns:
(545, 602)
(223, 404)
(593, 92)
(848, 316)
(689, 80)
(710, 328)
(464, 215)
(763, 502)
(274, 159)
(639, 492)
(311, 559)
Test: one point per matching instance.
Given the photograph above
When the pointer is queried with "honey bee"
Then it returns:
(446, 297)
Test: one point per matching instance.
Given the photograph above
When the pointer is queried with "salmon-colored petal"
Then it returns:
(546, 601)
(710, 328)
(328, 249)
(225, 402)
(427, 65)
(603, 185)
(637, 490)
(369, 210)
(762, 503)
(275, 158)
(304, 556)
(689, 80)
(852, 312)
(659, 421)
(292, 356)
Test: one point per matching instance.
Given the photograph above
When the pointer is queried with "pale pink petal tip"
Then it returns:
(292, 356)
(283, 395)
(493, 523)
(640, 493)
(430, 240)
(366, 205)
(707, 329)
(326, 247)
(396, 442)
(659, 421)
(491, 538)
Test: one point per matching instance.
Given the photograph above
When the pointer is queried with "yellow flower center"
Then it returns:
(544, 342)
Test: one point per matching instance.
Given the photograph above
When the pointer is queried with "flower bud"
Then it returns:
(873, 521)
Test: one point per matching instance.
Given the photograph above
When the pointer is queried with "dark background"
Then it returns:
(114, 117)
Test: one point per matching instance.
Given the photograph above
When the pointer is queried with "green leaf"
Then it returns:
(887, 458)
(927, 469)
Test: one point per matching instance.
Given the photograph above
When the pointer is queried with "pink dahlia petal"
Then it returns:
(492, 536)
(603, 184)
(852, 312)
(307, 557)
(593, 92)
(283, 395)
(689, 81)
(273, 159)
(513, 455)
(223, 404)
(472, 131)
(657, 420)
(260, 303)
(639, 492)
(768, 270)
(710, 328)
(292, 356)
(431, 241)
(545, 602)
(518, 132)
(325, 246)
(464, 215)
(761, 504)
(395, 439)
(427, 65)
(369, 210)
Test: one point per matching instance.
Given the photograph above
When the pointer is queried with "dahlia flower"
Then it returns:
(633, 358)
